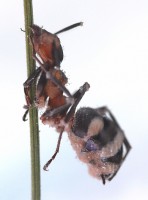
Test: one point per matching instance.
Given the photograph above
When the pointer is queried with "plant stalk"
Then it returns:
(33, 113)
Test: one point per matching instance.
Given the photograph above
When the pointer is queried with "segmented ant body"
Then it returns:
(50, 80)
(94, 133)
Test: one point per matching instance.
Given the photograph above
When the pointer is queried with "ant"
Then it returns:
(50, 79)
(94, 133)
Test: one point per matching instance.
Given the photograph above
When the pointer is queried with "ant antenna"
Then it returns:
(69, 27)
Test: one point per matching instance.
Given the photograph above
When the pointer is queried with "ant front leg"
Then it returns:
(27, 86)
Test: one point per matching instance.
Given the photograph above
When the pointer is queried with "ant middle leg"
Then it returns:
(77, 97)
(56, 151)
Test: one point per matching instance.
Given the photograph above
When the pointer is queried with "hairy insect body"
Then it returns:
(97, 140)
(92, 158)
(98, 143)
(95, 135)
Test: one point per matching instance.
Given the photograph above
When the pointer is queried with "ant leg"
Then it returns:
(32, 77)
(77, 98)
(103, 110)
(54, 112)
(128, 148)
(103, 179)
(29, 82)
(52, 78)
(56, 151)
(27, 85)
(25, 115)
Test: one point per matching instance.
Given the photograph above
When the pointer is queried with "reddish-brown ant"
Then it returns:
(50, 79)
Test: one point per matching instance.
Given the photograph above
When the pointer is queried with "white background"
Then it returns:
(110, 52)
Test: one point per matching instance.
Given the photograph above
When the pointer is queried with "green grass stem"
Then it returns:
(33, 113)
